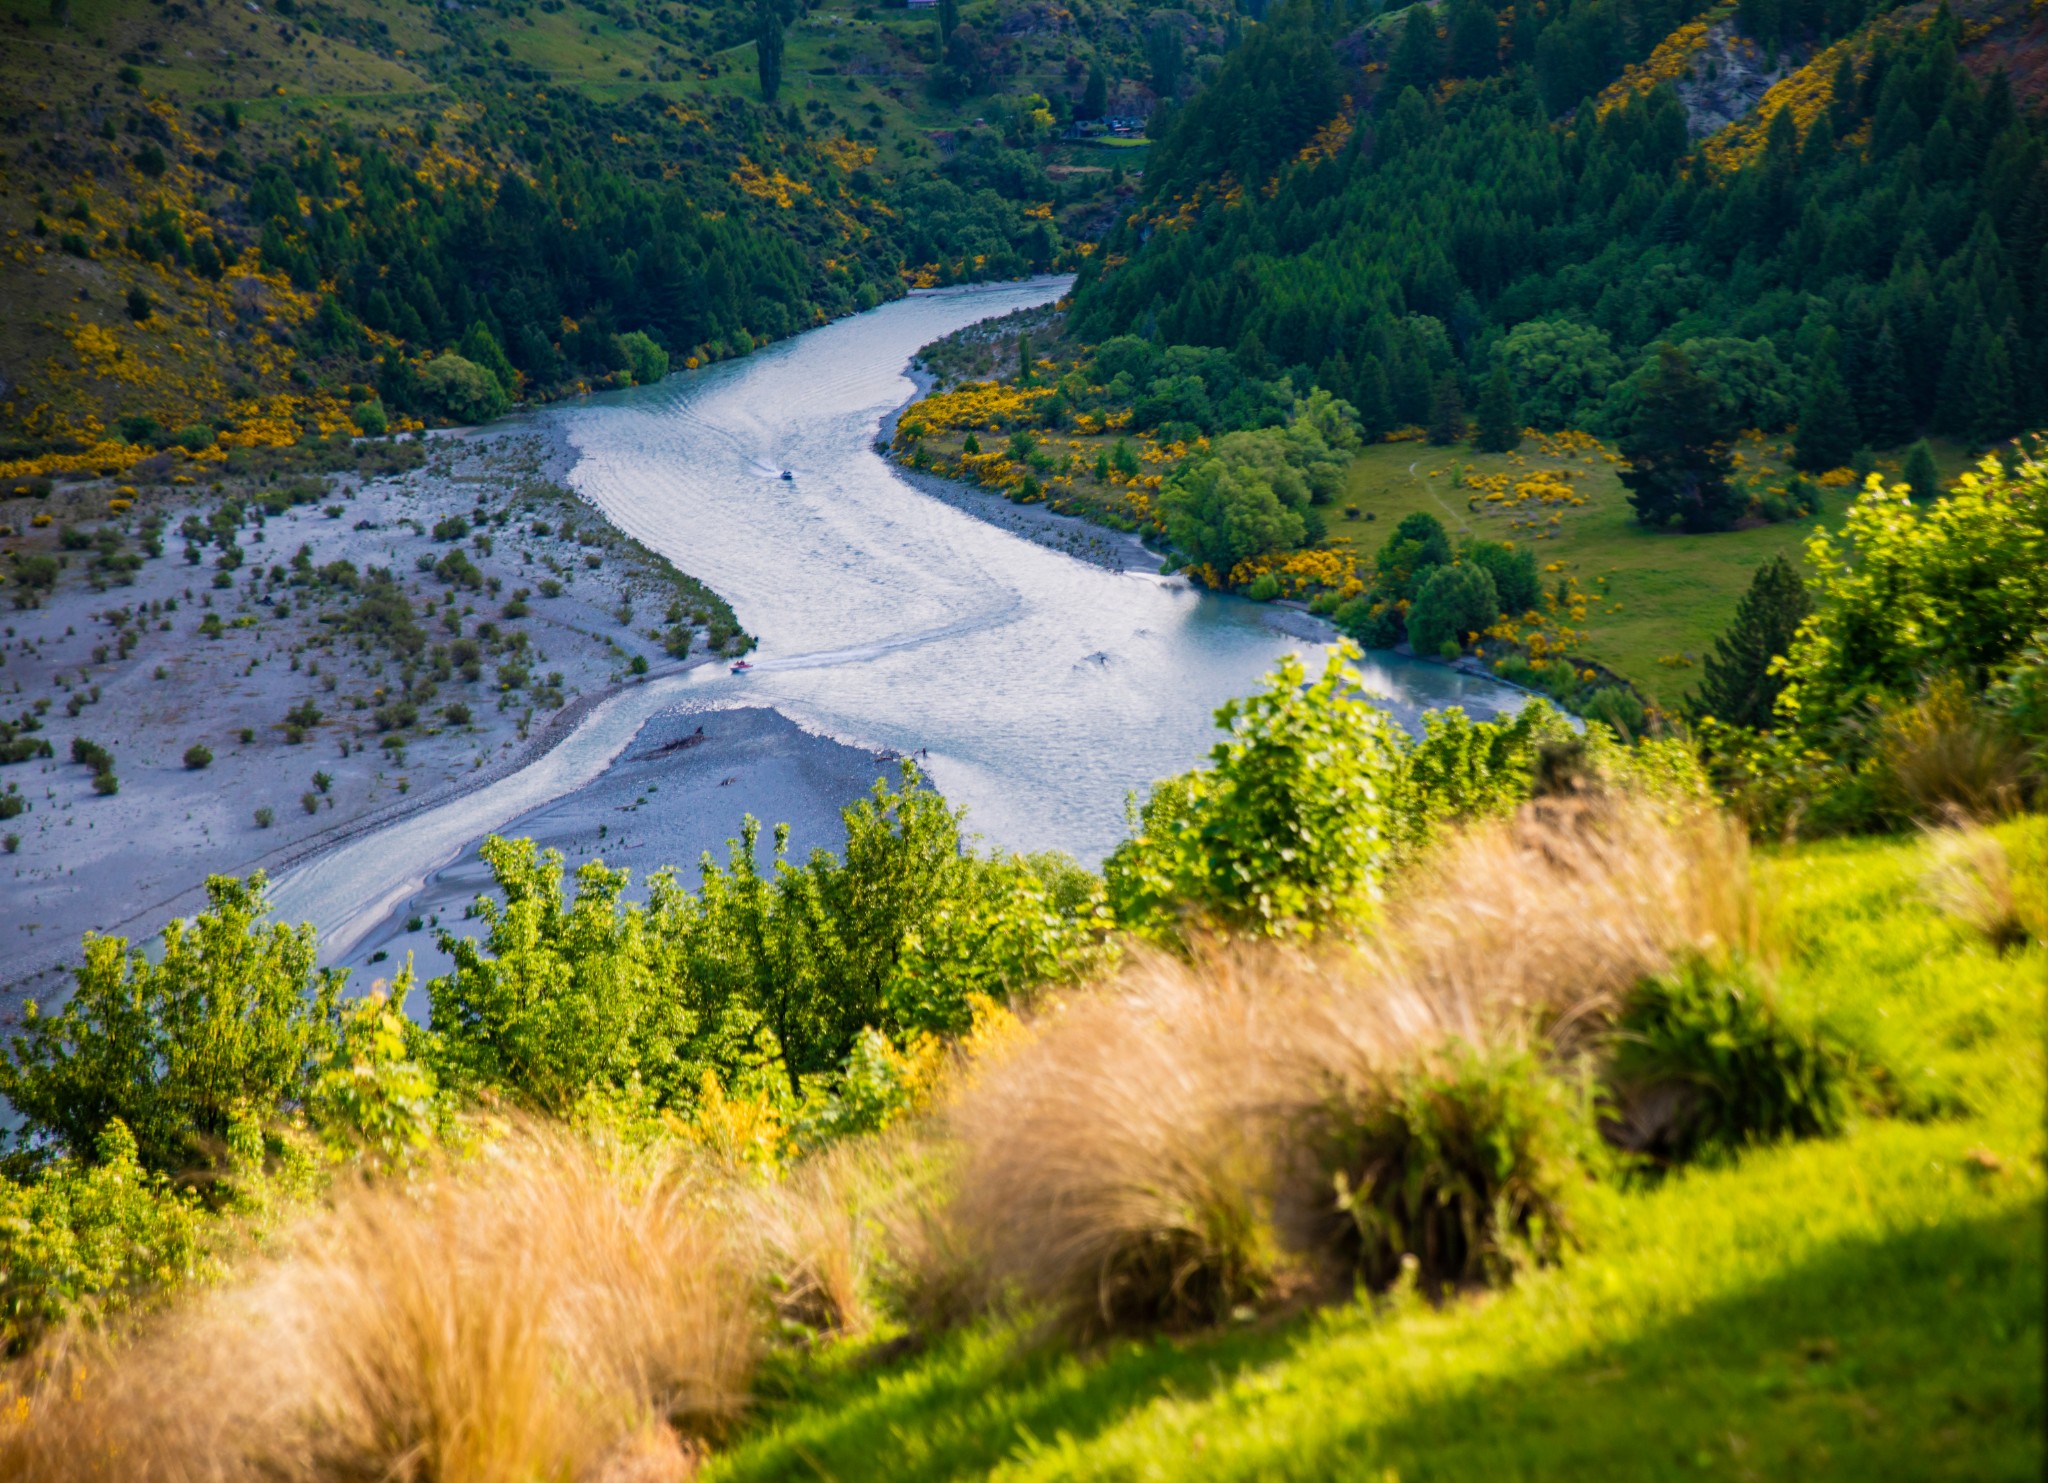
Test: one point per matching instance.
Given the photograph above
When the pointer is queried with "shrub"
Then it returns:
(456, 714)
(193, 437)
(90, 1238)
(370, 419)
(461, 390)
(1972, 879)
(1454, 601)
(91, 754)
(1285, 832)
(1462, 1164)
(310, 801)
(265, 817)
(1705, 1063)
(1945, 754)
(1908, 592)
(1618, 707)
(105, 783)
(232, 1015)
(1264, 588)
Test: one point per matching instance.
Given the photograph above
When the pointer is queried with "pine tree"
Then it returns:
(1370, 396)
(481, 346)
(1828, 430)
(1475, 40)
(1677, 448)
(949, 17)
(1023, 360)
(1991, 414)
(1884, 405)
(1923, 479)
(1446, 413)
(1738, 686)
(1499, 428)
(1095, 97)
(768, 47)
(1415, 63)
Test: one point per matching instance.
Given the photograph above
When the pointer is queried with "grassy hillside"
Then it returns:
(201, 202)
(1864, 1307)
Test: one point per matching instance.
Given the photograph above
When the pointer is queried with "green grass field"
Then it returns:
(1868, 1307)
(1656, 600)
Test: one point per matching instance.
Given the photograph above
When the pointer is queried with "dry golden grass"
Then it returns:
(1158, 1150)
(556, 1311)
(1163, 1150)
(1942, 757)
(1972, 877)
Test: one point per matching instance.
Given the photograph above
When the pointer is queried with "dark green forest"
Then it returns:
(1872, 273)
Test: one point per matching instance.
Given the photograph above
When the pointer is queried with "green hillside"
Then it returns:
(1869, 1307)
(251, 223)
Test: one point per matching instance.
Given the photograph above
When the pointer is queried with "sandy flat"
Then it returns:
(126, 863)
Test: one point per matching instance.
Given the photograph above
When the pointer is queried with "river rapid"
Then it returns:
(1037, 689)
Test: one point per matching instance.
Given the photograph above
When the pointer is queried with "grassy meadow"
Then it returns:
(1862, 1307)
(1655, 601)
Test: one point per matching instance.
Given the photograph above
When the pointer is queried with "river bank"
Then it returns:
(305, 701)
(683, 786)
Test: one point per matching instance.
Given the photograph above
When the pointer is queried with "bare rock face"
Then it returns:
(1729, 76)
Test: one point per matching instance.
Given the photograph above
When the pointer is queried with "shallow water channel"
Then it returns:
(1041, 687)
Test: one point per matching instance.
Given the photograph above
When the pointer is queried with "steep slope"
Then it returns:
(250, 222)
(1387, 206)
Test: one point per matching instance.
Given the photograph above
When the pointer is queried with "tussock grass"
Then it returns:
(1941, 756)
(1867, 1305)
(1197, 1135)
(557, 1311)
(1972, 878)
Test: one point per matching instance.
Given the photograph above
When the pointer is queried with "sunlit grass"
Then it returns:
(1656, 596)
(1864, 1307)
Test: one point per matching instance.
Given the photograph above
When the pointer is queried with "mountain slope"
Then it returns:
(250, 222)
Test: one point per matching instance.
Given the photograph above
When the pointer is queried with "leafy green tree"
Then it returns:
(1499, 421)
(1253, 492)
(1286, 832)
(768, 47)
(558, 997)
(1559, 371)
(1455, 602)
(1828, 429)
(91, 1236)
(646, 362)
(1759, 389)
(1677, 449)
(1907, 592)
(1418, 545)
(1738, 686)
(1513, 569)
(461, 390)
(232, 1017)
